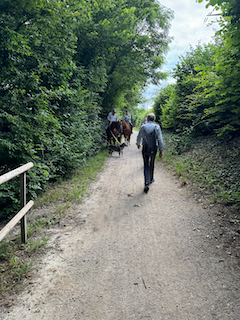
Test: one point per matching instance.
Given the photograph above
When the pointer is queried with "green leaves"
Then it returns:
(128, 39)
(205, 98)
(206, 94)
(63, 65)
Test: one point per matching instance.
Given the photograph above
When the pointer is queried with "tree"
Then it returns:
(127, 40)
(227, 68)
(63, 66)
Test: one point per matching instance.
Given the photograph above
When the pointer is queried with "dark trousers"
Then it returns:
(148, 161)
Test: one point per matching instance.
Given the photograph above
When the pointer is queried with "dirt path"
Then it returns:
(129, 255)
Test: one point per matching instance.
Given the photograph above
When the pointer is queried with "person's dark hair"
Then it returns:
(151, 117)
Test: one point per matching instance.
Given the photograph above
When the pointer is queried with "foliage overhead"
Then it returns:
(64, 65)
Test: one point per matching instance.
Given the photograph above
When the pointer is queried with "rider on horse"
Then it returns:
(127, 118)
(112, 116)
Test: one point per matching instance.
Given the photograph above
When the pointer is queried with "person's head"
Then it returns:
(127, 112)
(151, 117)
(114, 110)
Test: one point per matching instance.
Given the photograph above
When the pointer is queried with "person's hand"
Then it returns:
(139, 147)
(160, 153)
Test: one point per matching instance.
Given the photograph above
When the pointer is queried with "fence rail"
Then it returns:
(21, 215)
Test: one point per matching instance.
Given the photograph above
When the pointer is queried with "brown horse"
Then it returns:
(114, 132)
(127, 131)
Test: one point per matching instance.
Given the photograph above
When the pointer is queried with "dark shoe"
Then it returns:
(146, 188)
(152, 180)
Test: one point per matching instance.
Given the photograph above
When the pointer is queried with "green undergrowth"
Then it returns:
(16, 259)
(73, 188)
(210, 164)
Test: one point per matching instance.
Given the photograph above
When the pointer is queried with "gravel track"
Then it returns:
(128, 255)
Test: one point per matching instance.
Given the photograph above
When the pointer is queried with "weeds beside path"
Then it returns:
(210, 165)
(16, 259)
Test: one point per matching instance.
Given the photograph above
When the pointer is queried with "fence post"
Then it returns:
(23, 203)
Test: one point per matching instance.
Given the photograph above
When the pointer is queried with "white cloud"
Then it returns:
(189, 27)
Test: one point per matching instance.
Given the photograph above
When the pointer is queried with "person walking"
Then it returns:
(151, 136)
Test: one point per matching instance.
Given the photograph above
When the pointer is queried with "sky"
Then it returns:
(191, 24)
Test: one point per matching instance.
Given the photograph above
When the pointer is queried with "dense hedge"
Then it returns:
(64, 65)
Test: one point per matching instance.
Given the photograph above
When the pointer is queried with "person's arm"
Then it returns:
(139, 138)
(159, 140)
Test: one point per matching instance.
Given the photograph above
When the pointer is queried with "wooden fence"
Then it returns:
(21, 215)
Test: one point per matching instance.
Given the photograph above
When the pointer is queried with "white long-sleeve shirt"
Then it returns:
(127, 117)
(112, 117)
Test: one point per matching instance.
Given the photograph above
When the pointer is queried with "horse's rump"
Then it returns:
(114, 132)
(127, 130)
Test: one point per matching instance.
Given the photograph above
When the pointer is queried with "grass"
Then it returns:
(74, 187)
(13, 268)
(179, 168)
(36, 244)
(15, 257)
(19, 267)
(210, 164)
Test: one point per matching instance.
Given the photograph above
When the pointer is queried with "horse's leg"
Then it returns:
(129, 137)
(119, 138)
(112, 136)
